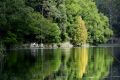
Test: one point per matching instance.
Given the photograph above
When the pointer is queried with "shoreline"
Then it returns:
(46, 45)
(64, 45)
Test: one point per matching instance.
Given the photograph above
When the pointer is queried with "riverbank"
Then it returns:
(48, 46)
(109, 45)
(58, 45)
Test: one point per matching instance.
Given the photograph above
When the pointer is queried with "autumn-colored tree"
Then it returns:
(80, 34)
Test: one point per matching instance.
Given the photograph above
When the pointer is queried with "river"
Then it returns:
(93, 63)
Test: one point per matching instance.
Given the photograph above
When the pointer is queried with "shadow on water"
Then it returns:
(30, 65)
(115, 67)
(57, 64)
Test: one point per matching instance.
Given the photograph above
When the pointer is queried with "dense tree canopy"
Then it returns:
(51, 21)
(111, 8)
(97, 24)
(14, 21)
(20, 23)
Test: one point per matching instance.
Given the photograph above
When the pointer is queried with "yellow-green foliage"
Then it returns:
(81, 35)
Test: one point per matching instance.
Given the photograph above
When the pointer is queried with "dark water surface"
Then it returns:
(94, 63)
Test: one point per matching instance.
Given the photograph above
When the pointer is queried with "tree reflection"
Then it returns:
(78, 63)
(81, 61)
(21, 65)
(92, 66)
(46, 65)
(100, 60)
(57, 64)
(16, 65)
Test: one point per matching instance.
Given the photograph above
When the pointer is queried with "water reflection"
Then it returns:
(78, 63)
(99, 63)
(81, 61)
(34, 51)
(46, 64)
(56, 64)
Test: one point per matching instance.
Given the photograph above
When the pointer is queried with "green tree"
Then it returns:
(21, 24)
(49, 21)
(97, 24)
(14, 21)
(44, 30)
(53, 10)
(111, 9)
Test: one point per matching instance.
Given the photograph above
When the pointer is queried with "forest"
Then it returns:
(59, 40)
(57, 21)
